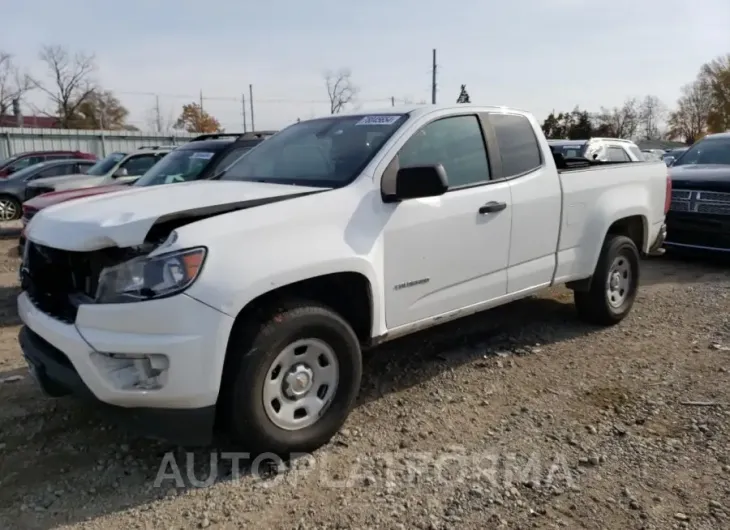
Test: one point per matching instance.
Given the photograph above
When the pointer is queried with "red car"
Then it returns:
(31, 207)
(22, 160)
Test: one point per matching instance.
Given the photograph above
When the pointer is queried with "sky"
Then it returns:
(536, 55)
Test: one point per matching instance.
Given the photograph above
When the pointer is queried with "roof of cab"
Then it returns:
(421, 110)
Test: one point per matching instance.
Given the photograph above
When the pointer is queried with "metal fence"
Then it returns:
(18, 140)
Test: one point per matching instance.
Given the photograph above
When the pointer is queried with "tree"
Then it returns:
(651, 114)
(340, 89)
(689, 121)
(619, 122)
(717, 74)
(101, 110)
(70, 84)
(13, 83)
(194, 119)
(463, 95)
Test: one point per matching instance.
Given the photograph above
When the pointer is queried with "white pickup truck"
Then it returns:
(245, 301)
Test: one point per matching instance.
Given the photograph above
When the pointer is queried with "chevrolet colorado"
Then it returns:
(245, 302)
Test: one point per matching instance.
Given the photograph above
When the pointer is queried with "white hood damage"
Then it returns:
(123, 219)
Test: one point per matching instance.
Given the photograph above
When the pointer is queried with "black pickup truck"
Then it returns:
(699, 215)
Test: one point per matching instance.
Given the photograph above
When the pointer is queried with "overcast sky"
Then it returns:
(532, 54)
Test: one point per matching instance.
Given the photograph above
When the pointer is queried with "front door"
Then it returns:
(449, 252)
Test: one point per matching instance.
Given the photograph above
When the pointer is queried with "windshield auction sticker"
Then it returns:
(378, 120)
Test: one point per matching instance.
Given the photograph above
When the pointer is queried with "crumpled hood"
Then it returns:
(123, 219)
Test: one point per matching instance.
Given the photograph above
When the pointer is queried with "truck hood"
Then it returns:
(51, 182)
(709, 177)
(55, 197)
(124, 219)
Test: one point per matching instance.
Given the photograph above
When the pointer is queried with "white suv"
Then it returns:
(116, 168)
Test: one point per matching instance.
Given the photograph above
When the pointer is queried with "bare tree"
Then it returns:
(618, 122)
(717, 75)
(70, 81)
(689, 121)
(340, 89)
(13, 83)
(652, 113)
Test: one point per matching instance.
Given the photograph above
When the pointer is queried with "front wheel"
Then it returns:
(10, 209)
(293, 379)
(614, 285)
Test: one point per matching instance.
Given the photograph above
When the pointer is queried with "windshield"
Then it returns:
(7, 161)
(326, 152)
(26, 171)
(102, 167)
(177, 166)
(707, 151)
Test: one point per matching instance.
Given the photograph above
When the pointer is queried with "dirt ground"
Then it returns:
(521, 417)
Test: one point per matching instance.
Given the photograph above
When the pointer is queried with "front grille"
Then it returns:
(58, 281)
(701, 202)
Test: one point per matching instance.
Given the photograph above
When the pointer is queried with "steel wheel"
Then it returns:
(9, 209)
(618, 281)
(300, 384)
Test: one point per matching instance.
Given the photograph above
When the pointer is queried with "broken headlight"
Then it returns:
(147, 278)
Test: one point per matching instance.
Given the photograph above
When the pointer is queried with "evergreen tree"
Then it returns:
(463, 95)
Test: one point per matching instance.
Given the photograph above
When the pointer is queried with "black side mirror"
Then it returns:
(420, 181)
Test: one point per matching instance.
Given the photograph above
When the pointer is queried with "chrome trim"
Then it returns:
(698, 201)
(699, 247)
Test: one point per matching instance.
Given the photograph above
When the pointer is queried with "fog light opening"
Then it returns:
(136, 371)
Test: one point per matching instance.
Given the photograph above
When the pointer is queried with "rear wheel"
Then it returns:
(10, 209)
(292, 379)
(614, 285)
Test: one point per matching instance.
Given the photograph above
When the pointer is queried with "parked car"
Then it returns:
(20, 161)
(248, 299)
(699, 215)
(672, 154)
(599, 149)
(13, 188)
(116, 168)
(653, 155)
(201, 158)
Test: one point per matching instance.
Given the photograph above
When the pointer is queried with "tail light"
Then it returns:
(668, 198)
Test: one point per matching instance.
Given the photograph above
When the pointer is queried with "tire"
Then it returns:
(10, 208)
(601, 305)
(252, 353)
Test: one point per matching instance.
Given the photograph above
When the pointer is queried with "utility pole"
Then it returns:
(250, 102)
(392, 101)
(158, 115)
(201, 102)
(243, 110)
(433, 78)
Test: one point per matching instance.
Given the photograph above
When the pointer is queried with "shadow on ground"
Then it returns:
(9, 306)
(46, 443)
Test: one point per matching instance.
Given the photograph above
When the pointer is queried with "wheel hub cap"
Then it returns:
(618, 282)
(300, 384)
(299, 381)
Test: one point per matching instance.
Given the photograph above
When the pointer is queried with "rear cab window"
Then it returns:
(518, 146)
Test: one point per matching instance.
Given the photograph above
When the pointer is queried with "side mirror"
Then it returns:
(420, 181)
(121, 172)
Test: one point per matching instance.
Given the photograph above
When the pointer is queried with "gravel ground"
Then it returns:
(517, 418)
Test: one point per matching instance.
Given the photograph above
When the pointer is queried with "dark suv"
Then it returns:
(20, 161)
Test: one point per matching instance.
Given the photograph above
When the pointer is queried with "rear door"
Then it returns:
(536, 202)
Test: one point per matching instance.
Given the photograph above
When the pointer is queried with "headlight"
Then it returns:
(147, 278)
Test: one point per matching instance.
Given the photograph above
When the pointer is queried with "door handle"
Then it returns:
(492, 206)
